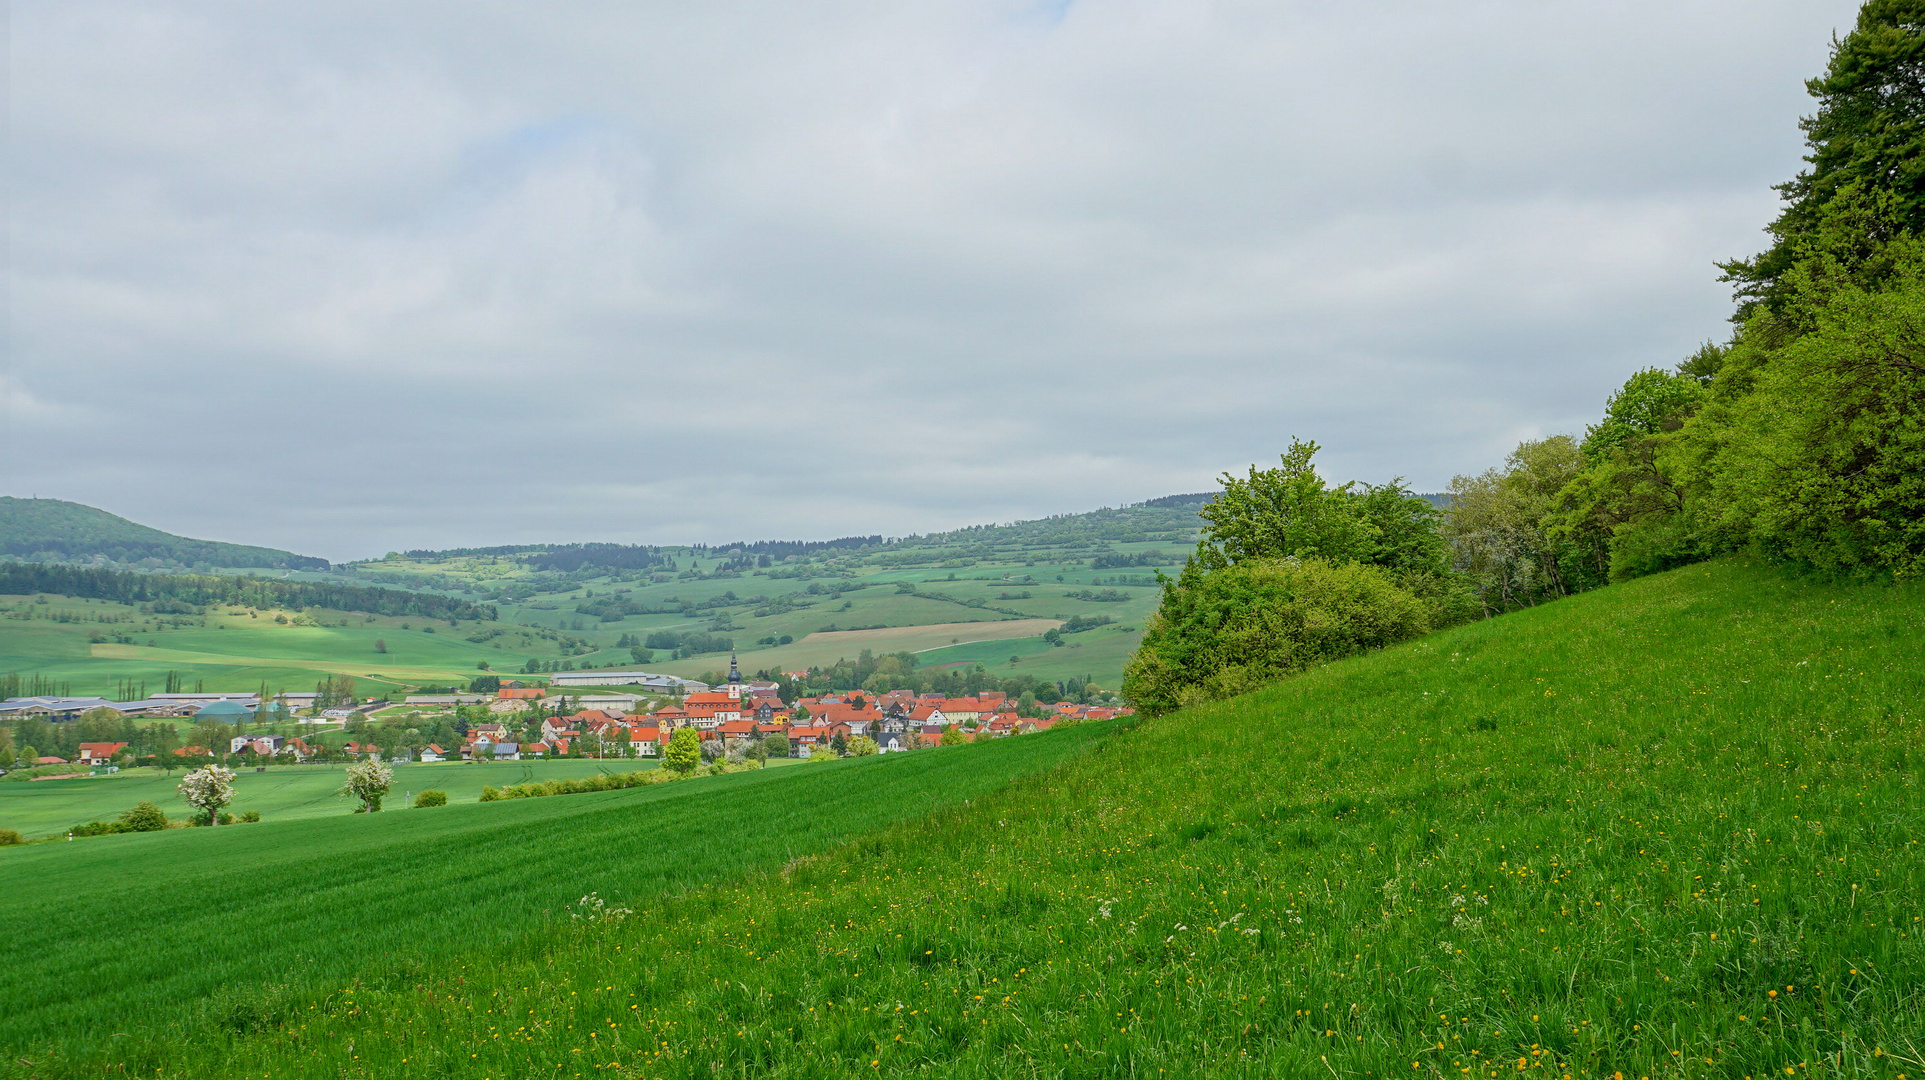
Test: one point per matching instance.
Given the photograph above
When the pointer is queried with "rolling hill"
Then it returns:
(54, 530)
(1665, 828)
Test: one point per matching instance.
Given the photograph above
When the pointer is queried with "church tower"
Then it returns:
(735, 678)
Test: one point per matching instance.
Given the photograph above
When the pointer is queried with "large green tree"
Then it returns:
(1867, 135)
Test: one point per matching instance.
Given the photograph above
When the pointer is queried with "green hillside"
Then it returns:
(1665, 828)
(285, 911)
(52, 529)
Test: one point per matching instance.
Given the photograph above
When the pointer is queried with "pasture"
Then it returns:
(283, 793)
(1669, 828)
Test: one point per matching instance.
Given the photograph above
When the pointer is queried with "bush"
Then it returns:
(251, 816)
(489, 793)
(431, 798)
(98, 828)
(143, 817)
(1225, 632)
(10, 836)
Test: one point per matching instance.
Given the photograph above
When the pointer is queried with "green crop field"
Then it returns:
(215, 925)
(282, 793)
(1666, 828)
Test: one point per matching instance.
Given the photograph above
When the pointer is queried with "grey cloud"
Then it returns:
(359, 276)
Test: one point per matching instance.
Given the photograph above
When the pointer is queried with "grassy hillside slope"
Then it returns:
(37, 528)
(144, 933)
(1669, 828)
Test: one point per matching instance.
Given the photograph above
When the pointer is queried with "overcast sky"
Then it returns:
(359, 276)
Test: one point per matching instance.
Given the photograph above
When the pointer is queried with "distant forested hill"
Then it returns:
(183, 593)
(45, 530)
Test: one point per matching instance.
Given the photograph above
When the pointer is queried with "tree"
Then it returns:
(953, 736)
(1288, 512)
(776, 746)
(1502, 526)
(839, 744)
(683, 752)
(380, 645)
(144, 817)
(208, 789)
(1867, 138)
(863, 746)
(1225, 633)
(368, 781)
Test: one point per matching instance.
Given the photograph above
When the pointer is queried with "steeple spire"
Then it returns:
(735, 672)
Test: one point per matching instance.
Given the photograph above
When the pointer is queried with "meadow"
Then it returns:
(283, 793)
(1666, 828)
(134, 942)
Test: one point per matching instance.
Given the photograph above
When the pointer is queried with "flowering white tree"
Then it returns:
(209, 788)
(368, 781)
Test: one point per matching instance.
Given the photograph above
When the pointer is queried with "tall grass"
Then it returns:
(1669, 828)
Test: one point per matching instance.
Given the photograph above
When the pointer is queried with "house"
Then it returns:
(192, 752)
(645, 741)
(264, 745)
(891, 742)
(491, 732)
(49, 760)
(927, 714)
(520, 693)
(430, 752)
(961, 709)
(736, 729)
(535, 749)
(801, 739)
(507, 751)
(723, 707)
(298, 749)
(91, 752)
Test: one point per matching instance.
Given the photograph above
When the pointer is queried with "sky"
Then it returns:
(363, 276)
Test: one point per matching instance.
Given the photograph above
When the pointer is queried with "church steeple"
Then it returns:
(735, 671)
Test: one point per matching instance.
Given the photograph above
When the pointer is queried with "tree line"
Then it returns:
(201, 590)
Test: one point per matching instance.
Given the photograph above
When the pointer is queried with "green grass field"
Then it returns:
(1668, 828)
(283, 793)
(158, 935)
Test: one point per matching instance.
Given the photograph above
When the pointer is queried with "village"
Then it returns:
(736, 720)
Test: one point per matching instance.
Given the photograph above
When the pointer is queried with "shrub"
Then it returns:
(431, 798)
(143, 817)
(1225, 632)
(10, 836)
(98, 828)
(251, 816)
(489, 793)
